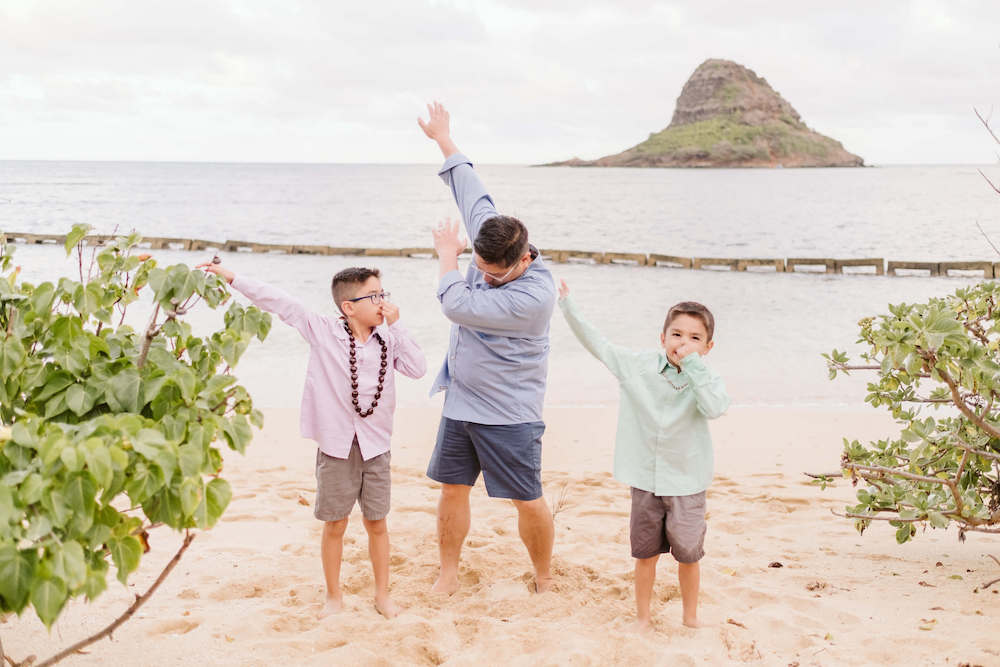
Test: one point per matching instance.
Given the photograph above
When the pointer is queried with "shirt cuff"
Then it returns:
(692, 360)
(453, 161)
(447, 280)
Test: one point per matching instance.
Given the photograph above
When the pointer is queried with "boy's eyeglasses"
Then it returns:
(376, 299)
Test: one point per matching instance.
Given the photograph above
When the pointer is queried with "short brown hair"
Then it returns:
(694, 309)
(501, 240)
(345, 283)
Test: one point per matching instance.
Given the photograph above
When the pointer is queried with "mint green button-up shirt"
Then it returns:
(662, 444)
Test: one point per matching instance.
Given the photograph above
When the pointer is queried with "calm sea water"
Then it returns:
(771, 327)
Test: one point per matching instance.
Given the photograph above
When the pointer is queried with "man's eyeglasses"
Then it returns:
(498, 279)
(376, 299)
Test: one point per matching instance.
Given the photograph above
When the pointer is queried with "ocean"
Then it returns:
(771, 328)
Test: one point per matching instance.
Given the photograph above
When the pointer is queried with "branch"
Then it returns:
(995, 188)
(139, 600)
(150, 334)
(873, 367)
(980, 529)
(898, 473)
(872, 517)
(986, 124)
(962, 407)
(90, 269)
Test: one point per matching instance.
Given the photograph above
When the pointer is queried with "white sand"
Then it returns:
(248, 592)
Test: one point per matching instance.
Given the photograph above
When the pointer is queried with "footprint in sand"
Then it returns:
(296, 549)
(291, 623)
(738, 648)
(251, 517)
(238, 591)
(180, 626)
(412, 508)
(603, 513)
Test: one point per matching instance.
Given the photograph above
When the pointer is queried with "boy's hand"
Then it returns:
(218, 270)
(390, 312)
(437, 126)
(683, 351)
(446, 239)
(563, 289)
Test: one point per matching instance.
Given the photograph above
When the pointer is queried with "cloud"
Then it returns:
(526, 81)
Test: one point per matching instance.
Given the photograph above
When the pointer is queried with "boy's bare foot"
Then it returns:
(387, 607)
(693, 622)
(446, 585)
(333, 605)
(643, 626)
(543, 584)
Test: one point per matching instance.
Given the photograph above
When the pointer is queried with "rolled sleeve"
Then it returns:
(447, 280)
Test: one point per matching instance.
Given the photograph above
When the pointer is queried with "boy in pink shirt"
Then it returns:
(347, 408)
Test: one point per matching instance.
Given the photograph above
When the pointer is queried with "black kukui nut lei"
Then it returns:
(354, 372)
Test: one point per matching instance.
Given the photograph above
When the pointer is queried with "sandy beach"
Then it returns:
(248, 592)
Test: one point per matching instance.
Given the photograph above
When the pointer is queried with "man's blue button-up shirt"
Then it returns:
(497, 361)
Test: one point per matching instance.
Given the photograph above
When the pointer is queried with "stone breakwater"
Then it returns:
(877, 266)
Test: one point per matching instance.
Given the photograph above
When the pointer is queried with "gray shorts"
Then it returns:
(662, 524)
(342, 482)
(508, 455)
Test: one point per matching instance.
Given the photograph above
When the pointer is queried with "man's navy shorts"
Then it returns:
(509, 456)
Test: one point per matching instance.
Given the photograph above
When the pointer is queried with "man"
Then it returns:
(494, 375)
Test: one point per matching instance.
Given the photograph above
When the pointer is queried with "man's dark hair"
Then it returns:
(345, 284)
(694, 309)
(502, 240)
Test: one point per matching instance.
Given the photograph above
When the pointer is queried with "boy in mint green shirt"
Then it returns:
(663, 449)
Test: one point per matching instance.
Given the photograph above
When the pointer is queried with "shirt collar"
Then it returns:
(340, 332)
(662, 363)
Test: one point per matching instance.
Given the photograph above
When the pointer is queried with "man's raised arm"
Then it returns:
(474, 203)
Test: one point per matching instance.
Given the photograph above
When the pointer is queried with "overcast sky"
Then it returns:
(525, 80)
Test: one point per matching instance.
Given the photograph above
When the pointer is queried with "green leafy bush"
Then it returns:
(941, 356)
(106, 431)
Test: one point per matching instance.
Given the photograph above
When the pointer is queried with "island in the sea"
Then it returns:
(727, 116)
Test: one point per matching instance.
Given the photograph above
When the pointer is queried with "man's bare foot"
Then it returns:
(333, 605)
(543, 584)
(643, 626)
(387, 607)
(446, 585)
(693, 622)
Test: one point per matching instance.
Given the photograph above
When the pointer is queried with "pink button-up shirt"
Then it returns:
(328, 415)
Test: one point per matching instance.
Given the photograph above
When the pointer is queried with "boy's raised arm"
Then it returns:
(273, 300)
(609, 354)
(474, 203)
